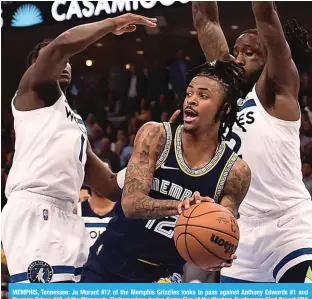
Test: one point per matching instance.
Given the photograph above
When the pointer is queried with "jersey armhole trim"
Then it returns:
(222, 179)
(165, 152)
(285, 123)
(39, 111)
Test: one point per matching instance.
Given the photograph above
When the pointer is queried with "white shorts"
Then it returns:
(271, 244)
(42, 239)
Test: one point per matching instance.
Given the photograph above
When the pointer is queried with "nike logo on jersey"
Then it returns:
(168, 167)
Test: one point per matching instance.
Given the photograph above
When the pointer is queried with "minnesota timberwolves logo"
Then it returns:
(39, 272)
(26, 15)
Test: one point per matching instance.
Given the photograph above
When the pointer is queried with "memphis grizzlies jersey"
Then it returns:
(50, 152)
(152, 240)
(94, 223)
(271, 148)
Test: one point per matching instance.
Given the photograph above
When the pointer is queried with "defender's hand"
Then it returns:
(128, 22)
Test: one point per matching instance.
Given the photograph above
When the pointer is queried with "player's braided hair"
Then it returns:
(231, 76)
(298, 41)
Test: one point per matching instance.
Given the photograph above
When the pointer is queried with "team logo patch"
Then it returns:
(39, 272)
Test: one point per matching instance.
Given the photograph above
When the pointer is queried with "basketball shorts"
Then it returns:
(109, 264)
(42, 239)
(272, 244)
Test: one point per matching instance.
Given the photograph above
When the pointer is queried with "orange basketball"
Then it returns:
(206, 234)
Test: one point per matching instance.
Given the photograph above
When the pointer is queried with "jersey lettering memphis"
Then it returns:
(171, 189)
(26, 15)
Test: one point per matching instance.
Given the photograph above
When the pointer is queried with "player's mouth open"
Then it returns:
(189, 115)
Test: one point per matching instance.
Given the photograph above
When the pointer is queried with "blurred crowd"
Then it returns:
(131, 97)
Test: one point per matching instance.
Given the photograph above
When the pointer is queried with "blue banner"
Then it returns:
(160, 291)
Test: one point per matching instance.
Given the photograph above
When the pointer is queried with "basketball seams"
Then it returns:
(186, 226)
(210, 228)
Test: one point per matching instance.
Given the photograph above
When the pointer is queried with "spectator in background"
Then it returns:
(133, 125)
(107, 154)
(177, 73)
(133, 90)
(308, 106)
(164, 116)
(110, 132)
(305, 131)
(89, 123)
(95, 138)
(127, 152)
(144, 115)
(307, 173)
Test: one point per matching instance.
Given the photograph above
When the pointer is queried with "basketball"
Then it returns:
(206, 235)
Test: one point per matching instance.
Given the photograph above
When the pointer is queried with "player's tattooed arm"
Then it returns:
(209, 31)
(236, 186)
(100, 178)
(136, 203)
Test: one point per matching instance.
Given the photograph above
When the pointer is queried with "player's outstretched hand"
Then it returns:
(195, 199)
(128, 22)
(226, 264)
(174, 116)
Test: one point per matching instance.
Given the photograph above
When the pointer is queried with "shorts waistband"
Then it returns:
(273, 214)
(26, 195)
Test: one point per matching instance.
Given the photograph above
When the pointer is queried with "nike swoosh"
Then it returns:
(168, 167)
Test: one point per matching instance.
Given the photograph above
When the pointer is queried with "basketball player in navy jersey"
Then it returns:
(52, 158)
(96, 212)
(275, 217)
(171, 168)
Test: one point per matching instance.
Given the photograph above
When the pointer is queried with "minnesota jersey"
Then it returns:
(271, 148)
(50, 152)
(94, 223)
(152, 240)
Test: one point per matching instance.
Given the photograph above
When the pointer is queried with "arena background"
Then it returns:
(102, 73)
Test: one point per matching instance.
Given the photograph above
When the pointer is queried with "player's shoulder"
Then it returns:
(152, 131)
(240, 171)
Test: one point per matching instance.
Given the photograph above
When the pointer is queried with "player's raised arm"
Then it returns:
(280, 70)
(54, 57)
(136, 203)
(210, 34)
(236, 186)
(100, 178)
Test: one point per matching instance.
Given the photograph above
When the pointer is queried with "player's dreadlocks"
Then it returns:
(231, 76)
(298, 40)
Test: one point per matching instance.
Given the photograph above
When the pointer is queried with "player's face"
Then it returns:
(65, 77)
(248, 52)
(204, 97)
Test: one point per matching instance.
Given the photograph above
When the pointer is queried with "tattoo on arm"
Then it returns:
(136, 203)
(236, 186)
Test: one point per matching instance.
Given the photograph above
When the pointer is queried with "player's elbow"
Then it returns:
(127, 207)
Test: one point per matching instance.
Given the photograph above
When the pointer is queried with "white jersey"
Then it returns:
(50, 152)
(271, 148)
(94, 224)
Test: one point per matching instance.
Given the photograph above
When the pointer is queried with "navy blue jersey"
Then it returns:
(94, 223)
(152, 240)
